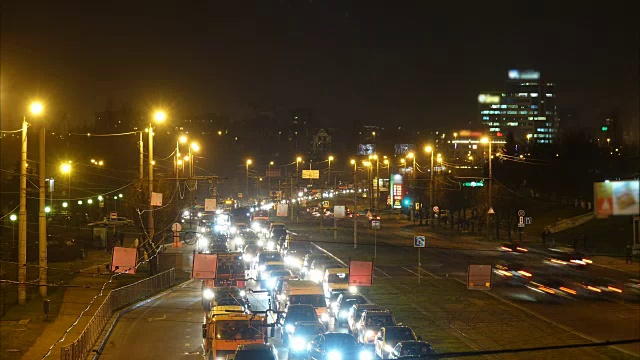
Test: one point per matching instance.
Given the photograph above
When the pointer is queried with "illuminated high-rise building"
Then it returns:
(526, 107)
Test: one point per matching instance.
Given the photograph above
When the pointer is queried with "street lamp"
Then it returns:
(377, 198)
(65, 168)
(159, 117)
(367, 164)
(269, 178)
(428, 149)
(330, 159)
(487, 140)
(355, 204)
(13, 219)
(246, 192)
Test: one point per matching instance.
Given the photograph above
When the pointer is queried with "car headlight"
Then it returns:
(260, 243)
(365, 355)
(298, 343)
(247, 257)
(343, 314)
(262, 267)
(270, 245)
(207, 294)
(271, 283)
(369, 334)
(388, 348)
(289, 328)
(353, 289)
(233, 230)
(324, 317)
(243, 293)
(334, 355)
(238, 240)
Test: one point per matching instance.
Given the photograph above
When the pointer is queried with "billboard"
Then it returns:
(311, 174)
(204, 266)
(401, 149)
(282, 209)
(366, 149)
(524, 74)
(124, 260)
(210, 205)
(338, 212)
(396, 191)
(616, 198)
(488, 99)
(360, 273)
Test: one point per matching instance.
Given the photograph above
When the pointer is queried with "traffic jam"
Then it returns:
(266, 296)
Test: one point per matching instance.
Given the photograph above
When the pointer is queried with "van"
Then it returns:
(335, 279)
(304, 292)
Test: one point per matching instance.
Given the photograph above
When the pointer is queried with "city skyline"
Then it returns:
(377, 64)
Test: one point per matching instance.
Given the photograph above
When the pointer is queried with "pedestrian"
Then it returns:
(121, 239)
(629, 254)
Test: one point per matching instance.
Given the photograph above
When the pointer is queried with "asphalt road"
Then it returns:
(593, 319)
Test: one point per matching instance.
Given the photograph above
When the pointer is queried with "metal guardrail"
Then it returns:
(117, 299)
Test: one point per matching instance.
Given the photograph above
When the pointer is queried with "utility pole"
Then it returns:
(490, 188)
(141, 147)
(22, 220)
(431, 204)
(150, 220)
(355, 205)
(42, 219)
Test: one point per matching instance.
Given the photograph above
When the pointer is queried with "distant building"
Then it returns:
(526, 107)
(610, 133)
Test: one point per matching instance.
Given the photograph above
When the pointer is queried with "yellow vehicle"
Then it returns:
(335, 279)
(225, 329)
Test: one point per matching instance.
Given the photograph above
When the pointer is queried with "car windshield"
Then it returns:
(339, 341)
(255, 355)
(238, 330)
(340, 278)
(396, 335)
(274, 256)
(315, 300)
(271, 267)
(278, 273)
(309, 330)
(379, 321)
(229, 301)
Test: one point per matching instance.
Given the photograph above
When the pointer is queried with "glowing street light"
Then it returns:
(79, 202)
(246, 190)
(65, 204)
(100, 198)
(183, 139)
(90, 201)
(159, 116)
(195, 146)
(36, 108)
(47, 209)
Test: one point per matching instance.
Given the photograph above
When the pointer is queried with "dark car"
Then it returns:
(294, 314)
(331, 345)
(308, 259)
(343, 305)
(256, 352)
(390, 336)
(303, 333)
(412, 350)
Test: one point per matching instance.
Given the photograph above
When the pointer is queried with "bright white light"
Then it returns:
(353, 289)
(185, 213)
(271, 283)
(289, 328)
(260, 243)
(247, 257)
(218, 212)
(270, 245)
(324, 317)
(365, 355)
(298, 343)
(207, 294)
(334, 355)
(243, 293)
(238, 240)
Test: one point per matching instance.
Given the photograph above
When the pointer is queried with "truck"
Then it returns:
(223, 331)
(229, 272)
(304, 292)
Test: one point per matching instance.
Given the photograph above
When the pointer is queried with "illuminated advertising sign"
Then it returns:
(366, 149)
(524, 75)
(616, 198)
(396, 191)
(401, 149)
(488, 99)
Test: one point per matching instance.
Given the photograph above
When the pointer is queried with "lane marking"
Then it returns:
(552, 322)
(164, 316)
(415, 273)
(387, 275)
(430, 274)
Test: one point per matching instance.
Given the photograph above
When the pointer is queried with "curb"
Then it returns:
(116, 317)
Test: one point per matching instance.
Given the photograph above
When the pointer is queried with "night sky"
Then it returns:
(397, 61)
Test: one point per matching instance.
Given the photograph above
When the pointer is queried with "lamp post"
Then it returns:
(269, 179)
(367, 164)
(159, 116)
(355, 204)
(413, 184)
(377, 197)
(13, 219)
(298, 160)
(487, 140)
(428, 149)
(65, 168)
(330, 159)
(249, 162)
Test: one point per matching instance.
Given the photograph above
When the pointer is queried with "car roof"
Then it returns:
(256, 347)
(377, 312)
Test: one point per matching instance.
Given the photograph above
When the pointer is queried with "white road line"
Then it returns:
(546, 319)
(414, 273)
(387, 275)
(430, 274)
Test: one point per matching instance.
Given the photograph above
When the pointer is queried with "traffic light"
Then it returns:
(406, 201)
(605, 128)
(473, 184)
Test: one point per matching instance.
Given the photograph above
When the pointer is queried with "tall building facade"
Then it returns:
(526, 107)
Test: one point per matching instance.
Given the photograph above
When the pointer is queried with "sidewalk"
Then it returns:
(38, 333)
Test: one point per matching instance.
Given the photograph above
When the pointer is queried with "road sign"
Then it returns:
(210, 205)
(473, 184)
(527, 220)
(176, 227)
(156, 199)
(311, 174)
(113, 215)
(375, 224)
(338, 212)
(479, 277)
(419, 241)
(436, 209)
(491, 212)
(240, 195)
(520, 212)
